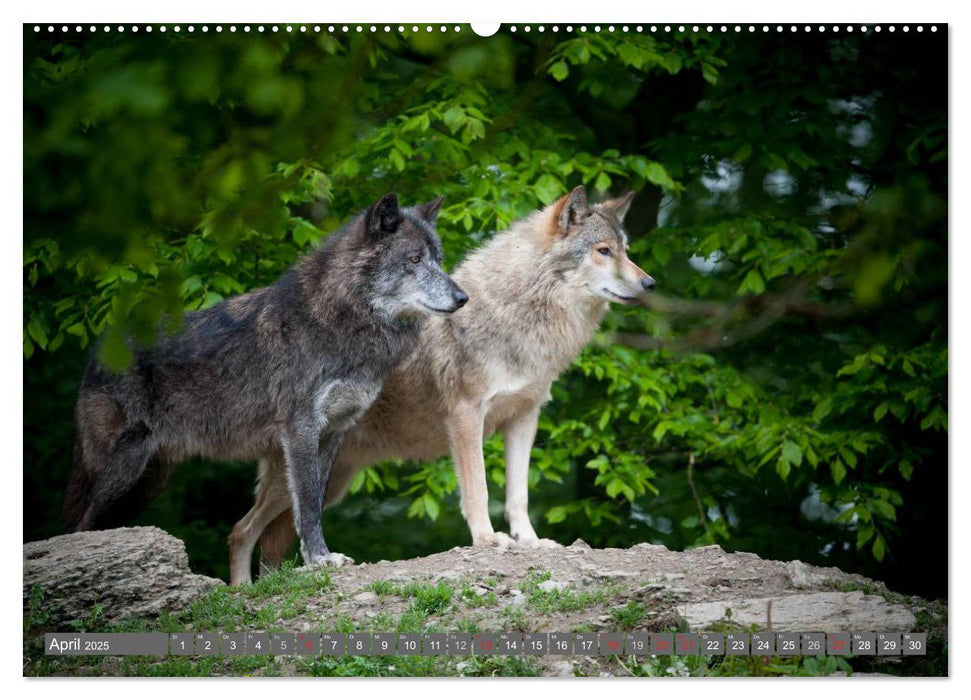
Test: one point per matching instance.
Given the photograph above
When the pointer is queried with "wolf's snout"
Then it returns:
(460, 298)
(648, 284)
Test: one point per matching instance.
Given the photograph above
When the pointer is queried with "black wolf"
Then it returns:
(288, 368)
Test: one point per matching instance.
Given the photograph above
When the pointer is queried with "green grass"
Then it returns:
(383, 588)
(429, 599)
(470, 597)
(628, 617)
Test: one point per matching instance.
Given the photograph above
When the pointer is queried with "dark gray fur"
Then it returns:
(292, 365)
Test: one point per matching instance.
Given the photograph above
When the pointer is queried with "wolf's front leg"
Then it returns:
(309, 462)
(464, 426)
(518, 435)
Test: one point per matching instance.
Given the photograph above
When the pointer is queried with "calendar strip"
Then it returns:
(489, 644)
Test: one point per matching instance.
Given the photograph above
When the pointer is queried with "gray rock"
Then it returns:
(803, 575)
(560, 669)
(365, 598)
(552, 586)
(826, 611)
(579, 544)
(613, 573)
(129, 571)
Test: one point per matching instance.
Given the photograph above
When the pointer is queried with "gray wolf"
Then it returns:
(285, 369)
(538, 292)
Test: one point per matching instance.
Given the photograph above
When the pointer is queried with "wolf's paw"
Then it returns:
(337, 560)
(498, 540)
(334, 559)
(537, 543)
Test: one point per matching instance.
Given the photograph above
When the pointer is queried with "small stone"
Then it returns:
(561, 668)
(365, 598)
(461, 666)
(613, 573)
(648, 545)
(673, 577)
(579, 544)
(552, 586)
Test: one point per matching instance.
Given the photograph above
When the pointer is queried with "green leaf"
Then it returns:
(604, 418)
(656, 173)
(906, 469)
(752, 282)
(357, 482)
(879, 548)
(191, 285)
(559, 71)
(602, 183)
(743, 152)
(838, 470)
(880, 411)
(35, 327)
(823, 409)
(883, 508)
(431, 506)
(547, 188)
(454, 119)
(417, 508)
(556, 514)
(792, 452)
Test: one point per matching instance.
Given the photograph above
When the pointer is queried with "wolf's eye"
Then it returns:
(415, 259)
(603, 250)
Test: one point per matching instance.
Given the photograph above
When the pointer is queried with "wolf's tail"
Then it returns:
(77, 495)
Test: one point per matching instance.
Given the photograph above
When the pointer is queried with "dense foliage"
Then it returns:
(784, 392)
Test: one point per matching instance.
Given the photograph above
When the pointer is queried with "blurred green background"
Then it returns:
(785, 391)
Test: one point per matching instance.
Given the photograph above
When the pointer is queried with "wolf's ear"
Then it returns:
(383, 218)
(429, 210)
(571, 210)
(620, 206)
